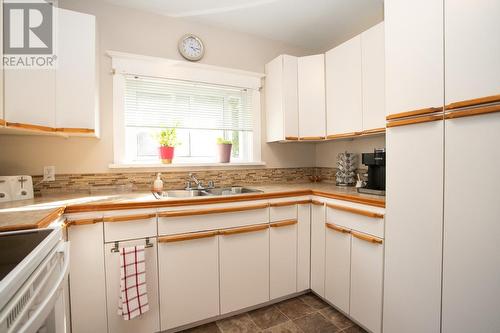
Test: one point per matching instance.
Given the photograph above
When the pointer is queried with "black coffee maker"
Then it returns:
(376, 172)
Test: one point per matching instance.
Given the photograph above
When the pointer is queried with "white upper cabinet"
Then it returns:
(344, 88)
(63, 98)
(76, 100)
(311, 89)
(30, 96)
(413, 55)
(373, 69)
(281, 105)
(472, 48)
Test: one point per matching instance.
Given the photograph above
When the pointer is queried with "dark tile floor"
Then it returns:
(303, 314)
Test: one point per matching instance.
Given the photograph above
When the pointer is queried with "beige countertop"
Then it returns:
(41, 211)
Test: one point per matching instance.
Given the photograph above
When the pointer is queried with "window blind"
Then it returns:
(158, 103)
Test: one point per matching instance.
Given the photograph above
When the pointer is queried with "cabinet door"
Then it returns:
(311, 87)
(413, 228)
(244, 267)
(373, 69)
(318, 249)
(148, 322)
(87, 278)
(338, 266)
(30, 96)
(2, 116)
(282, 115)
(367, 258)
(472, 42)
(283, 256)
(304, 248)
(343, 86)
(471, 270)
(76, 71)
(413, 55)
(189, 278)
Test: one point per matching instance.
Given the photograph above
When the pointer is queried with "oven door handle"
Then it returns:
(37, 319)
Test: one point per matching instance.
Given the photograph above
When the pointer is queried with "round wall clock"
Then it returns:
(191, 47)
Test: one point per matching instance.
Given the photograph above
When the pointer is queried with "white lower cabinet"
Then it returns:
(318, 248)
(244, 267)
(338, 266)
(367, 257)
(304, 247)
(149, 321)
(189, 278)
(283, 258)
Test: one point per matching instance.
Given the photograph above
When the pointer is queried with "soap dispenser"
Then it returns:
(158, 183)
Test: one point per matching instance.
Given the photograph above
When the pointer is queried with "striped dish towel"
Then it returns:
(133, 296)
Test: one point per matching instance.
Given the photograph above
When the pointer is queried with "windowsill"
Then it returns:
(209, 165)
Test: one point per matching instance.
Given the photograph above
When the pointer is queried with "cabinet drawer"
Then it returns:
(129, 225)
(366, 219)
(211, 218)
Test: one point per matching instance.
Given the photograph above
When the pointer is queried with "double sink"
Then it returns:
(222, 191)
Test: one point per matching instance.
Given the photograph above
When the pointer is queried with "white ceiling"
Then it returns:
(311, 24)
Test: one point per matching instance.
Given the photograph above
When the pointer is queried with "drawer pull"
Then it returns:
(414, 113)
(283, 223)
(289, 203)
(367, 238)
(83, 221)
(193, 212)
(356, 211)
(473, 102)
(419, 120)
(337, 228)
(241, 230)
(292, 138)
(188, 236)
(317, 203)
(480, 110)
(126, 218)
(311, 138)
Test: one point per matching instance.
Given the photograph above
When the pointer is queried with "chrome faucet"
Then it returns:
(198, 183)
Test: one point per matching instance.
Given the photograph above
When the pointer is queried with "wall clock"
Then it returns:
(191, 47)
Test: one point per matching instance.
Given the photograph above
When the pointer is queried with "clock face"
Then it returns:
(191, 47)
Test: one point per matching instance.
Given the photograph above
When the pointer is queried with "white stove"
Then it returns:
(34, 267)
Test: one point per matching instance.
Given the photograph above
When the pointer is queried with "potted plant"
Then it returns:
(224, 150)
(167, 138)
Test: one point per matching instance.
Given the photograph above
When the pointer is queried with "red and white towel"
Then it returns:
(133, 296)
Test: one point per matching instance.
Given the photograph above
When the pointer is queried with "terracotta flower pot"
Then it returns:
(224, 150)
(166, 154)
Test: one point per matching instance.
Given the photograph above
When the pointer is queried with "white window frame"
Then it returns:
(130, 64)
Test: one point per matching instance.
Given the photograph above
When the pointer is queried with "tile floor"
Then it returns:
(303, 314)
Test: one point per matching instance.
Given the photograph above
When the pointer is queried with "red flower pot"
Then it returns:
(166, 154)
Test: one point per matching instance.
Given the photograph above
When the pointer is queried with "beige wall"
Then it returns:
(122, 29)
(326, 153)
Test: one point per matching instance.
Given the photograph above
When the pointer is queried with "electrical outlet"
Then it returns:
(49, 173)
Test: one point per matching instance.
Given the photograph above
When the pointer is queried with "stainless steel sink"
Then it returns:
(224, 191)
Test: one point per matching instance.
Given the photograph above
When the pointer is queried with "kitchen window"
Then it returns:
(200, 111)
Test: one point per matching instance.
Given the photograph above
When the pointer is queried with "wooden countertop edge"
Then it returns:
(56, 213)
(42, 223)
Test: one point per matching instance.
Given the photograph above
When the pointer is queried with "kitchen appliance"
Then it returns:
(347, 164)
(16, 188)
(376, 172)
(34, 266)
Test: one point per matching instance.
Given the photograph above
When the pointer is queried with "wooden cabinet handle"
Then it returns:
(234, 231)
(337, 228)
(83, 221)
(343, 135)
(413, 113)
(356, 211)
(311, 138)
(188, 236)
(472, 112)
(180, 213)
(473, 102)
(367, 238)
(412, 121)
(292, 138)
(283, 223)
(126, 218)
(289, 203)
(317, 203)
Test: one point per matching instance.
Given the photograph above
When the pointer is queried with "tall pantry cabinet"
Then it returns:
(442, 232)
